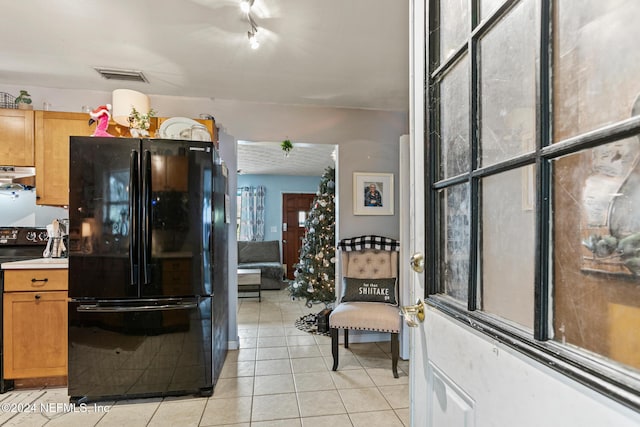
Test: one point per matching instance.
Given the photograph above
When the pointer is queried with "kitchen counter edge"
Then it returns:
(38, 263)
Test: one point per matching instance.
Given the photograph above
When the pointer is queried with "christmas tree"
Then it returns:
(315, 272)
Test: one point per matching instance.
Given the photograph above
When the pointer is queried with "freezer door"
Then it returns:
(124, 349)
(103, 216)
(176, 211)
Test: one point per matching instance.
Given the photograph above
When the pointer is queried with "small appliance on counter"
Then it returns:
(57, 233)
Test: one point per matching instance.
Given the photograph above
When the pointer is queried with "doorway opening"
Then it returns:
(295, 209)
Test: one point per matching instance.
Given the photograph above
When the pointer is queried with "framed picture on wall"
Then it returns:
(372, 193)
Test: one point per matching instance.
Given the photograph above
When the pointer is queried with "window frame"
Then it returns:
(598, 373)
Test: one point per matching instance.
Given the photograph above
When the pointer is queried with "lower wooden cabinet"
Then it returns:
(35, 334)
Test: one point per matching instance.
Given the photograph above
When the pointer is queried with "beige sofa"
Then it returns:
(264, 256)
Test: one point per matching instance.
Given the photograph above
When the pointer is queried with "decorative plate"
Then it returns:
(172, 128)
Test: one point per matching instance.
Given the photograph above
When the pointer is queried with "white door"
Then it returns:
(461, 375)
(417, 336)
(435, 399)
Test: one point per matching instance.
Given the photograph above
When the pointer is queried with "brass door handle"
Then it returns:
(413, 312)
(417, 262)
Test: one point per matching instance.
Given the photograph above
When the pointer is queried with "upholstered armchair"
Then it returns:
(369, 294)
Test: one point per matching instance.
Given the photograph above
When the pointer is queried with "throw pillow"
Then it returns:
(369, 290)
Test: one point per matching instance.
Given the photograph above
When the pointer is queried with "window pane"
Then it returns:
(454, 121)
(597, 250)
(508, 86)
(455, 23)
(118, 187)
(455, 241)
(488, 6)
(508, 245)
(596, 64)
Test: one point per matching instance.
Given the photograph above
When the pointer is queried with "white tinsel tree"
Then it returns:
(315, 271)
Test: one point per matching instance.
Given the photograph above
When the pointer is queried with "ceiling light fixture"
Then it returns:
(252, 34)
(245, 5)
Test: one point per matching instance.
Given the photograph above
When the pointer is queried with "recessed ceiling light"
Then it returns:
(245, 5)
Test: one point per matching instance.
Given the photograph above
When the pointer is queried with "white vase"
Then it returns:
(139, 133)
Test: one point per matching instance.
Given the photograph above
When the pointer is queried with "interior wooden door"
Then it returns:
(295, 209)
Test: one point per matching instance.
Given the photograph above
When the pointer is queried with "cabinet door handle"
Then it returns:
(38, 296)
(34, 280)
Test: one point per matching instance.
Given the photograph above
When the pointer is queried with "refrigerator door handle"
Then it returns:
(95, 308)
(134, 203)
(146, 212)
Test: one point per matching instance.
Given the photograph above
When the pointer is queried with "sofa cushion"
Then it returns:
(368, 316)
(268, 251)
(267, 269)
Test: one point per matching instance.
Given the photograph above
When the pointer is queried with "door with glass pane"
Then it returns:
(531, 172)
(295, 209)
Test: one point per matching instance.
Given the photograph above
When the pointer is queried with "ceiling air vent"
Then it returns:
(123, 75)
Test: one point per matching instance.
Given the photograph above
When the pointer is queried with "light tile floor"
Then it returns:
(281, 376)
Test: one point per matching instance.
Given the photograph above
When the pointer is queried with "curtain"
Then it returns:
(252, 213)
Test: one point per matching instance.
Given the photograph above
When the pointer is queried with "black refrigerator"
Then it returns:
(147, 268)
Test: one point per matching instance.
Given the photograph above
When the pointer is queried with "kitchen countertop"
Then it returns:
(38, 263)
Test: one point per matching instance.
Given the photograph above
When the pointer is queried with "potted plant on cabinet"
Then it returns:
(23, 101)
(139, 123)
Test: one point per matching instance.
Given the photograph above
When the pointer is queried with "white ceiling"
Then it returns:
(267, 158)
(330, 53)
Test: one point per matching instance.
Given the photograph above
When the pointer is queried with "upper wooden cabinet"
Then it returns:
(53, 130)
(16, 137)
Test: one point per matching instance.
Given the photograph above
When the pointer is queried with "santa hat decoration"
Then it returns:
(99, 111)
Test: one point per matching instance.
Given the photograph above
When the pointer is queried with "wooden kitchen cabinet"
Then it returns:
(34, 326)
(36, 280)
(52, 132)
(16, 135)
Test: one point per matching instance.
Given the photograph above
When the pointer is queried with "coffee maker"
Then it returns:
(58, 233)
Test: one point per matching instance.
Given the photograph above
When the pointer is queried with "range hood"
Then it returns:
(9, 173)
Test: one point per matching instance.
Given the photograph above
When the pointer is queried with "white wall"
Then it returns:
(367, 156)
(228, 153)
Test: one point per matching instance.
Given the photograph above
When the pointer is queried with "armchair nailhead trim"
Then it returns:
(365, 329)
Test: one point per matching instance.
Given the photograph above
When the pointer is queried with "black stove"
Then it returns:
(22, 243)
